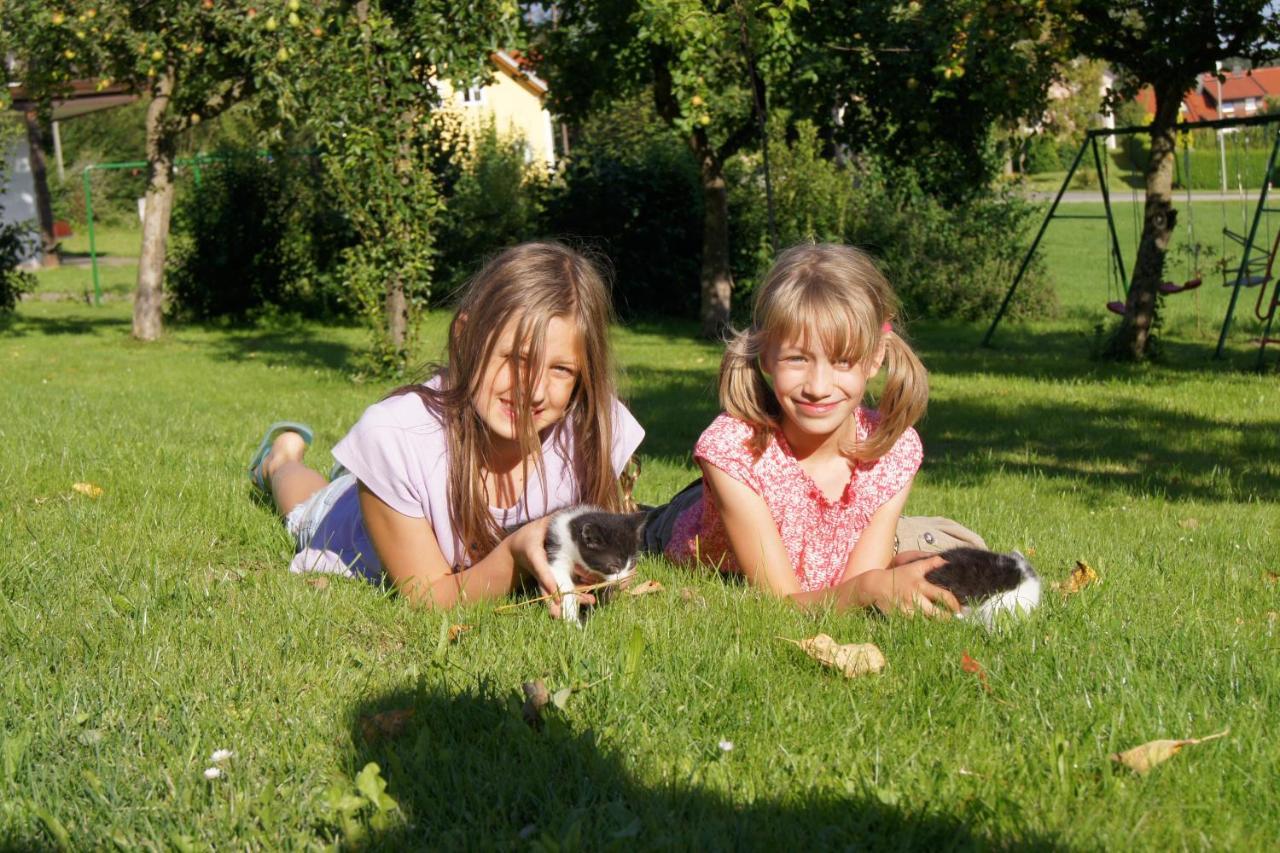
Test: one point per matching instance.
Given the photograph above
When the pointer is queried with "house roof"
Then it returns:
(518, 72)
(84, 96)
(1201, 103)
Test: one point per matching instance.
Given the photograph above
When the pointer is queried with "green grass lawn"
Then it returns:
(155, 624)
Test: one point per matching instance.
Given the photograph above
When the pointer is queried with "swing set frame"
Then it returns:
(1243, 278)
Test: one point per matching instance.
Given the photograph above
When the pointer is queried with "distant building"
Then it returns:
(1238, 94)
(514, 102)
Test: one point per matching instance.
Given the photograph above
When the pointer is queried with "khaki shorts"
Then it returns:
(934, 533)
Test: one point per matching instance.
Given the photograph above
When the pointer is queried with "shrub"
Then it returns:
(1042, 155)
(256, 234)
(494, 199)
(944, 261)
(631, 190)
(16, 243)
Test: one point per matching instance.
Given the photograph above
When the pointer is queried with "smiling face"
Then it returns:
(817, 392)
(545, 384)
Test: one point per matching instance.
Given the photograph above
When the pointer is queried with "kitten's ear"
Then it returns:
(590, 535)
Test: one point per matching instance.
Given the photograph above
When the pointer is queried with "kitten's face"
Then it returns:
(608, 545)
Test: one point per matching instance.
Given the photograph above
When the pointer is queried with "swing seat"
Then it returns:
(1168, 287)
(1116, 307)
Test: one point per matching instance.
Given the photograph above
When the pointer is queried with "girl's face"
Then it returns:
(818, 395)
(551, 391)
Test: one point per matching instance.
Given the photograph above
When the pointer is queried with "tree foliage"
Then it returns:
(926, 83)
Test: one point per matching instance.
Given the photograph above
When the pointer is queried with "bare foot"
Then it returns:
(287, 447)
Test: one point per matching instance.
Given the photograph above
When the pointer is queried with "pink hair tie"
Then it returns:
(887, 327)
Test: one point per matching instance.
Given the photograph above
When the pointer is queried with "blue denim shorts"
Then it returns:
(303, 520)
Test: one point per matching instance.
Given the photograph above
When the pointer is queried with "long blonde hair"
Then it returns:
(529, 285)
(834, 296)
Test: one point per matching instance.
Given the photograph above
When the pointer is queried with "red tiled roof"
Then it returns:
(1201, 103)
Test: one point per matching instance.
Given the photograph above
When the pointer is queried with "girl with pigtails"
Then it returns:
(803, 486)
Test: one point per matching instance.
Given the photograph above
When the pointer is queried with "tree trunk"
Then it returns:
(1131, 341)
(717, 278)
(148, 305)
(49, 256)
(397, 306)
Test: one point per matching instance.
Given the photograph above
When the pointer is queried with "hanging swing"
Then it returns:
(1253, 271)
(1193, 279)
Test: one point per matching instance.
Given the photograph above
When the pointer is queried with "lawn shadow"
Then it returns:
(469, 773)
(294, 347)
(1126, 445)
(22, 324)
(674, 405)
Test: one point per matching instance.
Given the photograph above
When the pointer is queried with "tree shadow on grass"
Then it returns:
(1125, 445)
(468, 773)
(24, 324)
(287, 347)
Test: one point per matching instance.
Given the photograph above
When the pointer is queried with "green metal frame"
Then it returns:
(1091, 139)
(193, 162)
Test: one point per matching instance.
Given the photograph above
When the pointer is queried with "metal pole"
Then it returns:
(93, 246)
(1111, 223)
(1243, 273)
(57, 151)
(1026, 261)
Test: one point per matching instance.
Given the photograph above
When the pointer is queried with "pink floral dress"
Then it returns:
(818, 533)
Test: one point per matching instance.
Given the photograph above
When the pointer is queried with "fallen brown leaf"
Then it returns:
(1142, 758)
(536, 698)
(1189, 523)
(968, 664)
(1271, 577)
(853, 659)
(1081, 576)
(645, 588)
(318, 581)
(385, 725)
(87, 489)
(456, 631)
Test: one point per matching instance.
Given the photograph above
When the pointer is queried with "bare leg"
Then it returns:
(291, 482)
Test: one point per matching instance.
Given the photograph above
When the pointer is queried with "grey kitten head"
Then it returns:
(607, 542)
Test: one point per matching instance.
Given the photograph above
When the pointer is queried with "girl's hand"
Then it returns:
(902, 587)
(528, 548)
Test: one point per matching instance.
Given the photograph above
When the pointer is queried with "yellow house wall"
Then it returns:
(513, 109)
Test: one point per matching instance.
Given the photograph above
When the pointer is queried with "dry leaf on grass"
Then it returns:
(385, 725)
(968, 664)
(1142, 758)
(87, 489)
(645, 588)
(1081, 576)
(853, 659)
(1271, 577)
(536, 698)
(1189, 523)
(692, 596)
(318, 581)
(456, 631)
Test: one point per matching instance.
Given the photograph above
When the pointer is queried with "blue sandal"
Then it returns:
(264, 450)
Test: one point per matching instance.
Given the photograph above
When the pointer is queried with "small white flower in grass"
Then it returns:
(726, 746)
(220, 755)
(212, 773)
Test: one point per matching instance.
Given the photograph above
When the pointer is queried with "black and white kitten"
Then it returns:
(587, 545)
(987, 583)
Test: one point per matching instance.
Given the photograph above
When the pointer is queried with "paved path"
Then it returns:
(1125, 196)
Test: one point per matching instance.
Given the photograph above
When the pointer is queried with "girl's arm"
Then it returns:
(753, 535)
(412, 558)
(757, 546)
(874, 548)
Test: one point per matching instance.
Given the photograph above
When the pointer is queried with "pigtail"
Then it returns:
(903, 401)
(744, 394)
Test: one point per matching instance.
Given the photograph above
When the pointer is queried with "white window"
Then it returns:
(1228, 108)
(473, 96)
(1250, 105)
